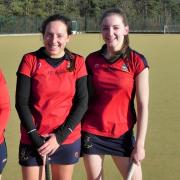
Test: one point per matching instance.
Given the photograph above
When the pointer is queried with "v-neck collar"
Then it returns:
(54, 62)
(117, 56)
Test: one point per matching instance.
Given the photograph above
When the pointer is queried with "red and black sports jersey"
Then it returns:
(52, 92)
(111, 110)
(4, 106)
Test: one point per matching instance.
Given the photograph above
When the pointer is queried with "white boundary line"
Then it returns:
(31, 34)
(28, 34)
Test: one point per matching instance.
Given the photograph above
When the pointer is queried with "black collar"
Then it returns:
(52, 61)
(118, 55)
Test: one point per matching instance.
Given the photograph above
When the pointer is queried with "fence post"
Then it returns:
(165, 29)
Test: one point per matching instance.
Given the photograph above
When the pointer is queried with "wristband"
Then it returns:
(31, 131)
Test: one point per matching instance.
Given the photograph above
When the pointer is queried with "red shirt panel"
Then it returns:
(111, 112)
(52, 92)
(4, 106)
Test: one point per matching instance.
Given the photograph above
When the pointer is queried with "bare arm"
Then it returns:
(142, 97)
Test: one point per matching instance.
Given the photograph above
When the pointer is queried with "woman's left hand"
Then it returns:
(138, 154)
(50, 146)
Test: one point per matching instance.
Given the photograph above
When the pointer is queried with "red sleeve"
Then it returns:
(140, 64)
(4, 104)
(80, 67)
(27, 65)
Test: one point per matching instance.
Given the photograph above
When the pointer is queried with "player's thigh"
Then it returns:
(33, 173)
(94, 166)
(62, 172)
(123, 165)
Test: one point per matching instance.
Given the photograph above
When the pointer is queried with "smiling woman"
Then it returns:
(55, 39)
(114, 31)
(51, 98)
(116, 74)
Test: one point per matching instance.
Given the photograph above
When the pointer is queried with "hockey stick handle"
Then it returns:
(47, 171)
(131, 171)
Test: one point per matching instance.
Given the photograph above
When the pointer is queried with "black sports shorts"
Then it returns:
(65, 154)
(122, 146)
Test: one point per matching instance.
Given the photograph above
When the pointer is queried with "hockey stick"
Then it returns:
(47, 171)
(131, 171)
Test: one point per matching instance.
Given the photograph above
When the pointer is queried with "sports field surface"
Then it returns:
(163, 139)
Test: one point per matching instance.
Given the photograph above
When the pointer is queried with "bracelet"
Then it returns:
(70, 129)
(31, 131)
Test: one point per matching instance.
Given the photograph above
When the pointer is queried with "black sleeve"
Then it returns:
(77, 111)
(23, 88)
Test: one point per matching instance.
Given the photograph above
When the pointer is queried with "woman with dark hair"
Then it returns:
(4, 116)
(116, 74)
(51, 99)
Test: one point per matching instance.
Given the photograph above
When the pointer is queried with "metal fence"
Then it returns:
(18, 25)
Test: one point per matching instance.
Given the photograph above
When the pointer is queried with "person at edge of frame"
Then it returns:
(116, 74)
(4, 117)
(51, 99)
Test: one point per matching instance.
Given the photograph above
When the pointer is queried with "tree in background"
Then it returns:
(142, 14)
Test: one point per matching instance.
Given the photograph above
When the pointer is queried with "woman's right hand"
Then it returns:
(138, 154)
(50, 145)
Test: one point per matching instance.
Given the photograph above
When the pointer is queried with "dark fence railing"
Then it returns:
(19, 25)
